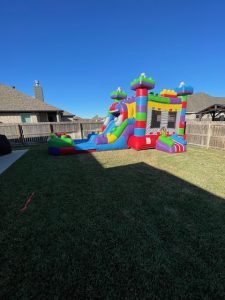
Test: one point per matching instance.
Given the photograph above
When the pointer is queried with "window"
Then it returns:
(52, 117)
(172, 119)
(25, 118)
(156, 119)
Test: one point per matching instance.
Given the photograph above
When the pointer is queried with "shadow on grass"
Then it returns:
(129, 232)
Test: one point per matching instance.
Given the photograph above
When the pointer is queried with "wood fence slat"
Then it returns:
(10, 130)
(210, 134)
(202, 133)
(39, 132)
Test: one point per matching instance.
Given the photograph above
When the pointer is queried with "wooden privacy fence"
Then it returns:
(209, 134)
(40, 132)
(201, 133)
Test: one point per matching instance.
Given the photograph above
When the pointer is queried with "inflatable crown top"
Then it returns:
(184, 89)
(118, 94)
(169, 93)
(143, 82)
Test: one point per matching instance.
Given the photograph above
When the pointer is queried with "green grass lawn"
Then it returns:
(114, 225)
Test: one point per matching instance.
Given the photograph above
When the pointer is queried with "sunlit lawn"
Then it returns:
(114, 225)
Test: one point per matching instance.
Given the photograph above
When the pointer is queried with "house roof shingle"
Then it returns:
(68, 114)
(15, 101)
(200, 101)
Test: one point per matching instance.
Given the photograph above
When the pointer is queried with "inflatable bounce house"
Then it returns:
(144, 121)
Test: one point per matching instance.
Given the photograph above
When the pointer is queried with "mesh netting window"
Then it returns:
(172, 119)
(156, 119)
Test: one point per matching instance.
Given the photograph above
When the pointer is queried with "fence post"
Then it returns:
(208, 135)
(51, 128)
(81, 131)
(185, 125)
(21, 134)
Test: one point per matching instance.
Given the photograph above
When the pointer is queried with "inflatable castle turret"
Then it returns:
(140, 85)
(182, 92)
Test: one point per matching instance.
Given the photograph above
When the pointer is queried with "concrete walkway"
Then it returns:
(8, 159)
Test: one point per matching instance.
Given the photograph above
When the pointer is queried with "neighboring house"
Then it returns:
(69, 117)
(200, 106)
(97, 118)
(17, 107)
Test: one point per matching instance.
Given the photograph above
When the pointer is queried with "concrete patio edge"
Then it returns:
(7, 160)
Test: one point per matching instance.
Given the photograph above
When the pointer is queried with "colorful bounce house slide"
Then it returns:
(144, 121)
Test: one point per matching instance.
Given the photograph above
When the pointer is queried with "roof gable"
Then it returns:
(15, 101)
(200, 101)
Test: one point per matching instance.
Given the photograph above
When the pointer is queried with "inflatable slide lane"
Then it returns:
(117, 129)
(171, 144)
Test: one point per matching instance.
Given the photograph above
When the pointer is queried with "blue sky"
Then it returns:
(82, 50)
